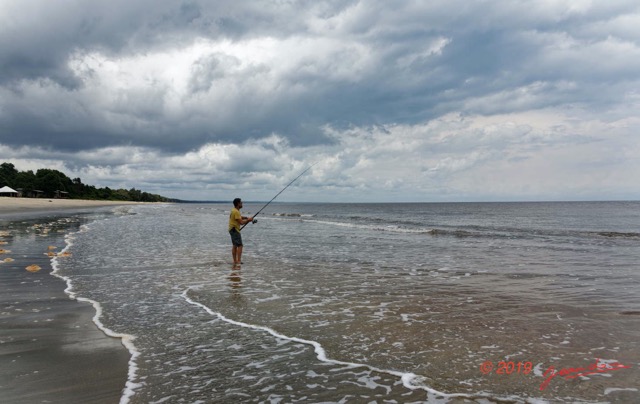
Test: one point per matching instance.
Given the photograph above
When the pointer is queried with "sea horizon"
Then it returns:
(410, 202)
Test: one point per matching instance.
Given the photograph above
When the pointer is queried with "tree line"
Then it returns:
(49, 183)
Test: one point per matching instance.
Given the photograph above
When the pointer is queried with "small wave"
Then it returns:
(387, 228)
(618, 234)
(399, 227)
(292, 215)
(367, 218)
(409, 380)
(455, 233)
(123, 210)
(127, 339)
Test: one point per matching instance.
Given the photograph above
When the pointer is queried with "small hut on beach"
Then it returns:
(6, 191)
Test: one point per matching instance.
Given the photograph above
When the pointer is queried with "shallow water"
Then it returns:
(370, 302)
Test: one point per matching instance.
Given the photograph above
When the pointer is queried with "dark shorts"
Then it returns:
(236, 238)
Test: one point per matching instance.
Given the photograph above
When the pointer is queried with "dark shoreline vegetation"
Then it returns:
(48, 183)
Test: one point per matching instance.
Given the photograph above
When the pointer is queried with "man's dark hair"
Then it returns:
(236, 202)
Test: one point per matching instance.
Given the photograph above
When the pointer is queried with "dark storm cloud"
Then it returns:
(39, 36)
(372, 63)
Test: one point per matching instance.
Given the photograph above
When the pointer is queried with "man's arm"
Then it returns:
(245, 220)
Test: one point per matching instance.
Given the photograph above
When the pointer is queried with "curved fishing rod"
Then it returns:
(272, 199)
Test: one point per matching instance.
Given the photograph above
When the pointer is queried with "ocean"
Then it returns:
(368, 303)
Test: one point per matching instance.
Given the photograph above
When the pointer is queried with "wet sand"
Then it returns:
(50, 349)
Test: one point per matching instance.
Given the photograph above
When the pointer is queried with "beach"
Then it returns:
(30, 206)
(50, 349)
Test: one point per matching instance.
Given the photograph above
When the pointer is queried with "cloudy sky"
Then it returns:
(439, 100)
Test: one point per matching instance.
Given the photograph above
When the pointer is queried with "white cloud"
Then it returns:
(526, 156)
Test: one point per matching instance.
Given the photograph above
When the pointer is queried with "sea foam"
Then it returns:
(409, 380)
(127, 340)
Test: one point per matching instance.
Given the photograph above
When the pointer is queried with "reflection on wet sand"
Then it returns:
(235, 283)
(235, 280)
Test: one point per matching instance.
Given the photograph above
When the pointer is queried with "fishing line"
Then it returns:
(272, 199)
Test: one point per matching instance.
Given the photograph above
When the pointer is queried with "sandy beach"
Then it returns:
(30, 206)
(50, 348)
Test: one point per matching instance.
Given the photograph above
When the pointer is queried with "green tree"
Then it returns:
(77, 188)
(50, 181)
(135, 195)
(122, 195)
(8, 175)
(26, 180)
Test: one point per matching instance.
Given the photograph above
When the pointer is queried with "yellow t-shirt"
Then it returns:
(235, 219)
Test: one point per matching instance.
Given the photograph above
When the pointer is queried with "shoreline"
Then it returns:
(33, 207)
(51, 347)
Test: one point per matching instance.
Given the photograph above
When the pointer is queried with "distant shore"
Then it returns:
(20, 206)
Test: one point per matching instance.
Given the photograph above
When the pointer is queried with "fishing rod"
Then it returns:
(272, 199)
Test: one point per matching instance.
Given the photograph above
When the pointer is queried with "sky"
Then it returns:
(393, 101)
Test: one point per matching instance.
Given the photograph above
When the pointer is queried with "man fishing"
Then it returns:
(236, 220)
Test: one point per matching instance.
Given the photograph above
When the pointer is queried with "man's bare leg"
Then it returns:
(238, 257)
(236, 251)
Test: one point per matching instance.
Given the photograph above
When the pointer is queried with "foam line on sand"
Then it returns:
(127, 340)
(409, 380)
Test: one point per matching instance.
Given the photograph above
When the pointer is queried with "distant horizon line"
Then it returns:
(177, 200)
